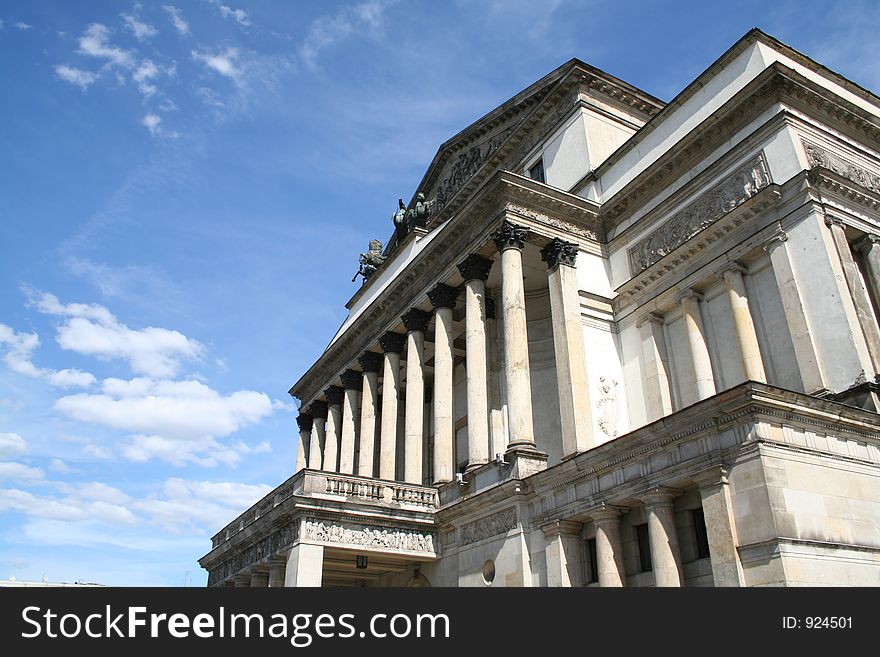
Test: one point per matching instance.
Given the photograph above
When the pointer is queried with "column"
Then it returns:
(475, 270)
(318, 411)
(801, 337)
(665, 555)
(609, 555)
(334, 395)
(720, 527)
(497, 435)
(861, 301)
(351, 382)
(305, 565)
(563, 553)
(568, 345)
(304, 422)
(869, 247)
(259, 580)
(702, 365)
(655, 367)
(276, 573)
(510, 240)
(392, 345)
(371, 362)
(416, 323)
(753, 366)
(443, 299)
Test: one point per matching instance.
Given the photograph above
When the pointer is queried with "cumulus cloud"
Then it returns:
(19, 348)
(23, 27)
(95, 42)
(177, 19)
(12, 445)
(76, 76)
(151, 122)
(365, 18)
(92, 330)
(71, 378)
(19, 471)
(223, 62)
(143, 74)
(57, 465)
(141, 30)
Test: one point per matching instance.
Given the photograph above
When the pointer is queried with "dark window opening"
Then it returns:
(643, 542)
(700, 534)
(594, 561)
(536, 172)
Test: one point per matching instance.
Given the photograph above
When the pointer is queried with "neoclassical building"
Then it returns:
(611, 342)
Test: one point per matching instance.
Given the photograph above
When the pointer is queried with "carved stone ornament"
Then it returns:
(607, 406)
(443, 296)
(351, 379)
(259, 552)
(371, 361)
(559, 252)
(818, 156)
(511, 236)
(334, 395)
(497, 523)
(392, 343)
(475, 267)
(365, 536)
(304, 422)
(416, 319)
(370, 261)
(465, 166)
(727, 195)
(318, 410)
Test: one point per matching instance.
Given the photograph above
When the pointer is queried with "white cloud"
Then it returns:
(71, 378)
(57, 465)
(77, 76)
(367, 18)
(12, 445)
(177, 19)
(19, 471)
(143, 74)
(240, 16)
(92, 330)
(40, 507)
(19, 349)
(142, 31)
(22, 26)
(98, 452)
(95, 43)
(223, 62)
(209, 97)
(151, 122)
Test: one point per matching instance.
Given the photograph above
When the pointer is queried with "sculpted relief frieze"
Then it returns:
(260, 551)
(817, 156)
(497, 523)
(730, 193)
(466, 165)
(364, 536)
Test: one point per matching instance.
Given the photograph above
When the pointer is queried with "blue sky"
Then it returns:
(185, 188)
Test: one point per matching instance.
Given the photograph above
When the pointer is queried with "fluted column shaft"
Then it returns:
(371, 363)
(443, 299)
(318, 411)
(665, 554)
(416, 322)
(510, 240)
(655, 364)
(609, 554)
(475, 270)
(700, 361)
(753, 365)
(576, 418)
(304, 423)
(334, 395)
(351, 381)
(392, 345)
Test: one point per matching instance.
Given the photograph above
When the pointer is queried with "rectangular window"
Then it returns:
(536, 171)
(594, 562)
(702, 538)
(643, 542)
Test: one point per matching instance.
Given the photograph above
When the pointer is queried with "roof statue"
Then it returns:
(370, 261)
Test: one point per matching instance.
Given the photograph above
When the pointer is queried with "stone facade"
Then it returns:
(656, 367)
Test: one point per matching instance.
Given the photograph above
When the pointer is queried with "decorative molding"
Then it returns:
(392, 343)
(416, 319)
(497, 523)
(466, 165)
(559, 252)
(818, 156)
(733, 191)
(475, 267)
(304, 422)
(510, 236)
(370, 361)
(261, 551)
(443, 296)
(383, 538)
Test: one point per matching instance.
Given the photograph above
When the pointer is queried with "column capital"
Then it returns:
(867, 242)
(731, 269)
(557, 527)
(606, 513)
(475, 267)
(304, 422)
(371, 361)
(713, 476)
(834, 221)
(776, 239)
(392, 343)
(650, 318)
(689, 295)
(416, 319)
(659, 496)
(559, 252)
(334, 395)
(351, 379)
(510, 236)
(318, 409)
(443, 296)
